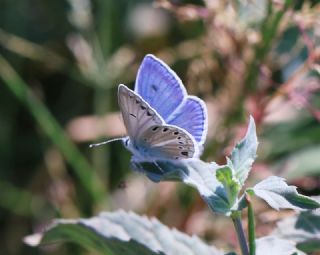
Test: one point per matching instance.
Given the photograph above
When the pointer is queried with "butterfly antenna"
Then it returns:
(105, 142)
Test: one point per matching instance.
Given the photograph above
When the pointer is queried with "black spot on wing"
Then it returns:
(154, 87)
(184, 153)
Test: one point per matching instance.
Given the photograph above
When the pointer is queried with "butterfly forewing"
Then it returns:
(166, 141)
(163, 90)
(159, 86)
(137, 115)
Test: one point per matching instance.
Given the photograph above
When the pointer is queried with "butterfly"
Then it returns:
(161, 120)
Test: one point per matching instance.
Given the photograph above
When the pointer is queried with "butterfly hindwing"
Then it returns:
(137, 115)
(167, 141)
(159, 86)
(192, 116)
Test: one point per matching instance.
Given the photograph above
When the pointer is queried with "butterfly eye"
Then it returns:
(179, 137)
(155, 129)
(149, 113)
(176, 133)
(165, 129)
(142, 107)
(180, 147)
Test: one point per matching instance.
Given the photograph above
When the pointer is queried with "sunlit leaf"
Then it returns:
(303, 228)
(122, 233)
(244, 153)
(276, 192)
(277, 246)
(193, 172)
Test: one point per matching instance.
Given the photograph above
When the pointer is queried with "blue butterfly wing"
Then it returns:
(192, 116)
(160, 86)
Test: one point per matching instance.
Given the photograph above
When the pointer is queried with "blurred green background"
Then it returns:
(61, 62)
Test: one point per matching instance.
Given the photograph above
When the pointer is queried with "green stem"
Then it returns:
(251, 227)
(87, 177)
(236, 218)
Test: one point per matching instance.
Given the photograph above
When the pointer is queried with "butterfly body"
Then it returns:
(162, 121)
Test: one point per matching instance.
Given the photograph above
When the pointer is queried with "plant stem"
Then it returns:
(236, 218)
(251, 227)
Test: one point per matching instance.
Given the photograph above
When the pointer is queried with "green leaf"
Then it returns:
(122, 233)
(279, 195)
(193, 172)
(226, 176)
(304, 229)
(244, 153)
(277, 246)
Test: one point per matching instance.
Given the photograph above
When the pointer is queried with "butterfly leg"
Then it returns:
(158, 166)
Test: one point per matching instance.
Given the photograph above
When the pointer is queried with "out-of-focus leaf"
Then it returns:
(17, 200)
(304, 229)
(226, 176)
(122, 233)
(294, 50)
(305, 162)
(193, 172)
(244, 153)
(277, 246)
(290, 136)
(251, 11)
(276, 192)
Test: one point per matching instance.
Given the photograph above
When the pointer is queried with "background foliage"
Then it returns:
(61, 62)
